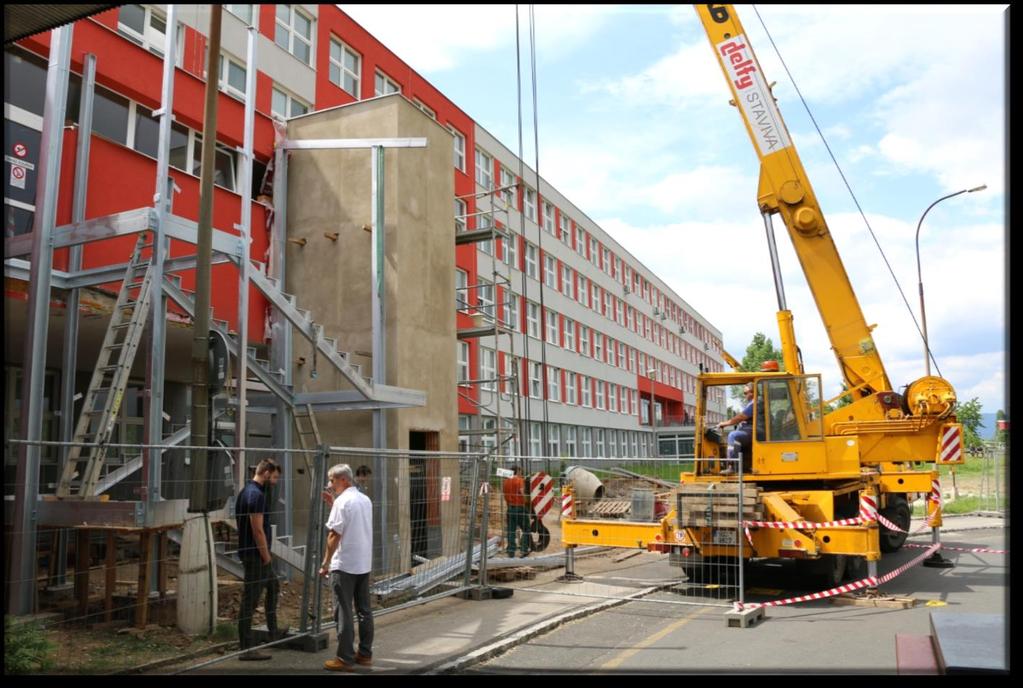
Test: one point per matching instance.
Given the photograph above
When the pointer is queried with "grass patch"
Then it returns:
(224, 631)
(27, 650)
(964, 505)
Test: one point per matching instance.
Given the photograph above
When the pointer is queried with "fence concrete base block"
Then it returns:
(569, 578)
(477, 593)
(744, 618)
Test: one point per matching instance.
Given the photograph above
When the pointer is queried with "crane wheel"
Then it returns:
(898, 513)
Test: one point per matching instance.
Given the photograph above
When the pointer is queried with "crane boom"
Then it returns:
(785, 189)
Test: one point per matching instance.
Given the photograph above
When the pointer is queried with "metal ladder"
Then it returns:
(110, 376)
(299, 415)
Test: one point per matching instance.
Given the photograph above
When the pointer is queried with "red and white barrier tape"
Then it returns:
(804, 525)
(888, 576)
(848, 587)
(869, 581)
(975, 550)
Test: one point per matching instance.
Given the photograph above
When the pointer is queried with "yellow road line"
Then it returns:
(646, 642)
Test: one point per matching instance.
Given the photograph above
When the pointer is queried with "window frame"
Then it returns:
(293, 33)
(387, 81)
(342, 69)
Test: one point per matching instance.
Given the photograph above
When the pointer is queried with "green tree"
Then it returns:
(844, 400)
(968, 414)
(759, 350)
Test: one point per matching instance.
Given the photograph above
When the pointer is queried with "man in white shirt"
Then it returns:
(348, 559)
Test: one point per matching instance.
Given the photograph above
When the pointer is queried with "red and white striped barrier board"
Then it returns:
(540, 492)
(567, 505)
(868, 507)
(934, 496)
(973, 550)
(950, 447)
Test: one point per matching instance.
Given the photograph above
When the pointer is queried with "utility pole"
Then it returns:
(204, 247)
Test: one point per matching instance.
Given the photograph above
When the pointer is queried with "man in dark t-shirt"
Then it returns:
(251, 511)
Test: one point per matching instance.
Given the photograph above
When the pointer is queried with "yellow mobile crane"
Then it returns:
(808, 466)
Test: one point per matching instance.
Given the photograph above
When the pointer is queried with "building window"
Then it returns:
(461, 287)
(460, 213)
(232, 76)
(511, 373)
(584, 340)
(595, 297)
(550, 271)
(584, 291)
(507, 186)
(569, 387)
(484, 170)
(598, 346)
(531, 260)
(535, 443)
(459, 144)
(599, 393)
(345, 66)
(224, 163)
(594, 253)
(533, 319)
(463, 362)
(384, 85)
(612, 397)
(285, 105)
(143, 26)
(511, 311)
(548, 218)
(511, 249)
(243, 12)
(424, 108)
(580, 241)
(553, 383)
(529, 203)
(584, 388)
(553, 443)
(586, 442)
(552, 327)
(569, 334)
(488, 369)
(534, 380)
(294, 32)
(568, 282)
(486, 297)
(601, 452)
(570, 440)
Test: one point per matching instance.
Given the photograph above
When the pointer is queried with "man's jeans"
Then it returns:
(349, 587)
(257, 577)
(517, 519)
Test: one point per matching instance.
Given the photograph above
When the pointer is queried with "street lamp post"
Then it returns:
(920, 280)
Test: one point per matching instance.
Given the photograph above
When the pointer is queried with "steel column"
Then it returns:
(23, 539)
(379, 319)
(70, 362)
(281, 349)
(244, 264)
(164, 196)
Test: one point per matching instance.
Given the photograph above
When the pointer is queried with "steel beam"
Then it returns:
(23, 539)
(106, 227)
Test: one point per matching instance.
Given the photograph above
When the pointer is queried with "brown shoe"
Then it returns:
(363, 659)
(337, 665)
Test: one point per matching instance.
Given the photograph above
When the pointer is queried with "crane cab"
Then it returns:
(787, 433)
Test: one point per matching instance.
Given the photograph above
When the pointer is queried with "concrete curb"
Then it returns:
(518, 637)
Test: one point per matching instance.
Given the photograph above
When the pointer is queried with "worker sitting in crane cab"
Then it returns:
(740, 440)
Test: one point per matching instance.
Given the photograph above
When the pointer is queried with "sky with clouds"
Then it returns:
(634, 128)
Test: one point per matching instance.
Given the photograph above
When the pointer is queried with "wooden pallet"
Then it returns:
(886, 601)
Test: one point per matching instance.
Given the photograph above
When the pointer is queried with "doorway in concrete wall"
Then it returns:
(424, 496)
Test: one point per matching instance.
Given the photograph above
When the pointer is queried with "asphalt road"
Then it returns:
(656, 635)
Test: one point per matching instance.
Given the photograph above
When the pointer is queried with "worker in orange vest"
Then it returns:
(514, 489)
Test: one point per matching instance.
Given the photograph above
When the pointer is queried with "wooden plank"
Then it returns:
(161, 563)
(111, 576)
(885, 601)
(722, 487)
(142, 602)
(715, 523)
